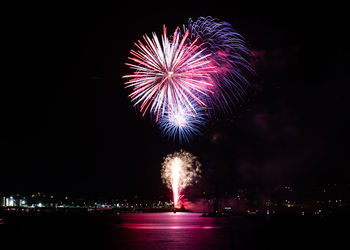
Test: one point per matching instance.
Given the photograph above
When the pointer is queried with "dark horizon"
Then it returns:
(68, 126)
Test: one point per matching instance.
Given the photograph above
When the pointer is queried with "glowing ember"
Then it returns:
(180, 170)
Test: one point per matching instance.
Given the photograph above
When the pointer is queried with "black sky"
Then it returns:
(67, 125)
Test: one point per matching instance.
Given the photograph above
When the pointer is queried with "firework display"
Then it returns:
(182, 79)
(180, 170)
(180, 123)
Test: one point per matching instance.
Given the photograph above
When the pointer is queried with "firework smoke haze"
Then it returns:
(180, 170)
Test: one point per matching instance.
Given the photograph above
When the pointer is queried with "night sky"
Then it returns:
(67, 125)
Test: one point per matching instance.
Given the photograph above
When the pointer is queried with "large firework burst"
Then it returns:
(181, 79)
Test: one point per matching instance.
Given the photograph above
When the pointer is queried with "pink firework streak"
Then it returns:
(180, 170)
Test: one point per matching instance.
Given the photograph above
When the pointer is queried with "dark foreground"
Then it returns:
(174, 231)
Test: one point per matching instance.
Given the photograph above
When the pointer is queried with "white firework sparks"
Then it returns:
(180, 170)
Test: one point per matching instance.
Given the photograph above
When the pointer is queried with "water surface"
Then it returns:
(173, 231)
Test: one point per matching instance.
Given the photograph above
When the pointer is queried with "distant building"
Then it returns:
(9, 202)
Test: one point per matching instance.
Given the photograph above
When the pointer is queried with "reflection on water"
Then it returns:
(174, 231)
(156, 226)
(170, 231)
(167, 221)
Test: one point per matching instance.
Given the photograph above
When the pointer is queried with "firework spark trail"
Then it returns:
(182, 79)
(229, 57)
(180, 170)
(175, 174)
